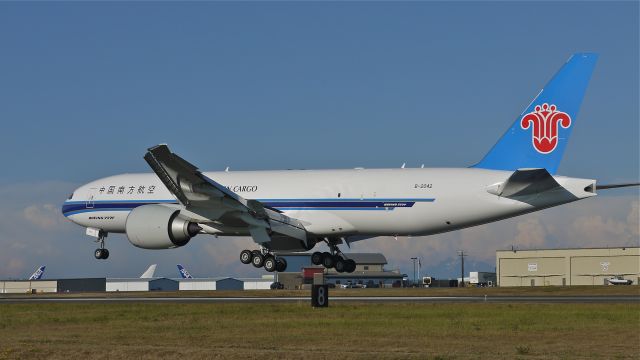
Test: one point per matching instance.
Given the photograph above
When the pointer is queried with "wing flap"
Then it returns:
(211, 200)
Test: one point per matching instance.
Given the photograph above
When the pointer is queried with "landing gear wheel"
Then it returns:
(316, 258)
(101, 254)
(270, 263)
(281, 265)
(257, 260)
(246, 256)
(327, 260)
(340, 264)
(350, 265)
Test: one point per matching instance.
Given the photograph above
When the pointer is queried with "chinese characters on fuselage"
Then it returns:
(129, 189)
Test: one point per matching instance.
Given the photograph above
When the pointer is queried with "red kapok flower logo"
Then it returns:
(545, 121)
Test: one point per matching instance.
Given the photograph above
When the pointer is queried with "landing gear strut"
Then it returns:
(101, 253)
(263, 258)
(334, 259)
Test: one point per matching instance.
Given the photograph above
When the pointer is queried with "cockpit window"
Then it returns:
(70, 196)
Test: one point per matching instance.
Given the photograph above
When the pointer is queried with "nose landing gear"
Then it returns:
(101, 253)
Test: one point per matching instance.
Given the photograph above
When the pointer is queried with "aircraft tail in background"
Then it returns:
(183, 272)
(538, 137)
(38, 274)
(150, 272)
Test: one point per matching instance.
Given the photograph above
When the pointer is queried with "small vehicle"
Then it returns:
(619, 280)
(277, 285)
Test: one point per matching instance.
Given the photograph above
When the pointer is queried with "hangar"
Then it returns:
(565, 267)
(263, 283)
(140, 284)
(222, 283)
(28, 286)
(369, 272)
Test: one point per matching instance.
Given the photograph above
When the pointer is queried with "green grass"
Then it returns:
(344, 330)
(470, 291)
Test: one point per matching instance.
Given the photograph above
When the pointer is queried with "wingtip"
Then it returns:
(162, 145)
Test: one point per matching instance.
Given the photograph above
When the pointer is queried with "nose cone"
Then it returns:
(68, 205)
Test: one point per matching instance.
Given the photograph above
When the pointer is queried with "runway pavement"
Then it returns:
(342, 299)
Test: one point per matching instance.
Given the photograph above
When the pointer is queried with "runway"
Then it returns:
(340, 299)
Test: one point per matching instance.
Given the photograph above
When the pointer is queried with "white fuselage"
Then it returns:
(368, 202)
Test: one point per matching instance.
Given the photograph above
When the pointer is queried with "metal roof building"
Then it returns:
(593, 266)
(369, 271)
(221, 283)
(139, 284)
(263, 283)
(28, 286)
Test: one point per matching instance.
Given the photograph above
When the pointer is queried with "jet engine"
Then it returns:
(159, 227)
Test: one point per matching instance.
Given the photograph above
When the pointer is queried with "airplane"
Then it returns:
(293, 210)
(37, 275)
(183, 272)
(148, 274)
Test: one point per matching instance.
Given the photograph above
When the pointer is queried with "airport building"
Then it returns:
(52, 285)
(263, 283)
(28, 286)
(369, 272)
(566, 267)
(141, 284)
(221, 283)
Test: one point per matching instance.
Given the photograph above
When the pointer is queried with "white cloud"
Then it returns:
(45, 216)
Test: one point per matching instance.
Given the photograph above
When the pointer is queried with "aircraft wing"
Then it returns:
(213, 201)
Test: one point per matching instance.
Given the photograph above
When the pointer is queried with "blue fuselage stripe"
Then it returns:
(76, 207)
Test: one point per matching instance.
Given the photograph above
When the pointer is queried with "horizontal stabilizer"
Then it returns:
(614, 186)
(525, 182)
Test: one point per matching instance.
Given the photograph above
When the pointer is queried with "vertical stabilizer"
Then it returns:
(149, 273)
(38, 274)
(538, 137)
(183, 272)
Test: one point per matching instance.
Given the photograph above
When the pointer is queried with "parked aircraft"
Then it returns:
(183, 272)
(148, 274)
(294, 210)
(37, 275)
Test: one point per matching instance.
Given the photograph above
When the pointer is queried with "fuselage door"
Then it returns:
(90, 200)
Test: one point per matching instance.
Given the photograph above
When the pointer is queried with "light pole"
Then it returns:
(414, 270)
(462, 255)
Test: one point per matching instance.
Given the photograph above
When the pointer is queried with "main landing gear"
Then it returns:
(263, 258)
(101, 253)
(334, 259)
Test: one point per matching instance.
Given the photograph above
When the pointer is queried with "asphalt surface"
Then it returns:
(342, 299)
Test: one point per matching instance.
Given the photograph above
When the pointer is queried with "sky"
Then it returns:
(86, 88)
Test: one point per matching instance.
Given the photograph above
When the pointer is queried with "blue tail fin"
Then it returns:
(184, 273)
(38, 274)
(538, 137)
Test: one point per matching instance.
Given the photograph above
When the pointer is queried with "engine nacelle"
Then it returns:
(159, 227)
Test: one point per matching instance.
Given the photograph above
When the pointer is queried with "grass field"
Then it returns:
(343, 331)
(469, 291)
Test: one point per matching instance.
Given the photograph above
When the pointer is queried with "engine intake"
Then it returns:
(159, 227)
